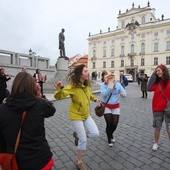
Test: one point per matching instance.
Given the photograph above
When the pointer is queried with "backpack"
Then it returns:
(125, 81)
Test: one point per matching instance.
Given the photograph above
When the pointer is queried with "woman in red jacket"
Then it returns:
(161, 78)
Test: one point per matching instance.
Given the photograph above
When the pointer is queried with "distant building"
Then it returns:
(139, 43)
(77, 60)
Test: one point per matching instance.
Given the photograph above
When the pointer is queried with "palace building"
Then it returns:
(139, 43)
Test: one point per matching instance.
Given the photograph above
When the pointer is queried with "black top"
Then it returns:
(33, 152)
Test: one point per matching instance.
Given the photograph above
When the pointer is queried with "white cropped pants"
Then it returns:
(92, 131)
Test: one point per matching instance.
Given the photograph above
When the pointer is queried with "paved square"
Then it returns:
(134, 138)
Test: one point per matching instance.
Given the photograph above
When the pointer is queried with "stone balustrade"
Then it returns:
(14, 62)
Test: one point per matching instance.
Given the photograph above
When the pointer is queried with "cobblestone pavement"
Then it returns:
(134, 138)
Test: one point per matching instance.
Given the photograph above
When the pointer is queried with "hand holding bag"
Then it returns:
(99, 110)
(8, 160)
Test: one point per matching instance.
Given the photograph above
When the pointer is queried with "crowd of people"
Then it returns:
(27, 96)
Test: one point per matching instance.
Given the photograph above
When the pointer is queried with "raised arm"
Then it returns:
(152, 80)
(62, 92)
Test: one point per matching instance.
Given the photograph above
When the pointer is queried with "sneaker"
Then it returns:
(113, 140)
(81, 166)
(76, 138)
(155, 147)
(110, 144)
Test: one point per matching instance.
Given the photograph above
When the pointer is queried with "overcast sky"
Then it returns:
(35, 24)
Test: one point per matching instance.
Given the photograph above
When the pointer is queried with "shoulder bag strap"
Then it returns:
(109, 96)
(162, 92)
(19, 133)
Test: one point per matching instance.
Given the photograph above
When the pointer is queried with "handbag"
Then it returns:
(167, 109)
(8, 160)
(99, 110)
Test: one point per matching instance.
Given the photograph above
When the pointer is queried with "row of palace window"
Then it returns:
(112, 64)
(132, 49)
(142, 35)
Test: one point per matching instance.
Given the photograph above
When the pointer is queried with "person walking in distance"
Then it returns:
(3, 85)
(159, 83)
(144, 81)
(111, 92)
(79, 112)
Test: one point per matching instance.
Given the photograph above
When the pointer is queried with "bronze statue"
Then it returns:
(61, 43)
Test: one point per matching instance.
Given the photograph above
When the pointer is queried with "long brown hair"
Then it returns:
(75, 75)
(24, 83)
(165, 77)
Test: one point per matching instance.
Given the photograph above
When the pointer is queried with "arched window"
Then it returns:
(122, 50)
(143, 20)
(132, 20)
(94, 53)
(143, 48)
(132, 49)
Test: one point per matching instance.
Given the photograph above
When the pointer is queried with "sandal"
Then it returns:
(81, 166)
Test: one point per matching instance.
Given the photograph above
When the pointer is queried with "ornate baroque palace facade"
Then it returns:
(140, 43)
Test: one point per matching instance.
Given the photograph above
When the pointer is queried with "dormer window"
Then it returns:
(143, 20)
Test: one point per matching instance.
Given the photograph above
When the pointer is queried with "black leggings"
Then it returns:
(111, 125)
(144, 94)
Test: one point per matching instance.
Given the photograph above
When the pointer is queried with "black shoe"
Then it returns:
(76, 138)
(142, 97)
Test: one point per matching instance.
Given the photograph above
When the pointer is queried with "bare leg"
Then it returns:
(80, 154)
(80, 164)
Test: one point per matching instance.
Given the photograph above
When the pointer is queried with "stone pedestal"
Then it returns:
(60, 75)
(62, 64)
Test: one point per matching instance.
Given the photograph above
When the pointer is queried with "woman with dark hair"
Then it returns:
(33, 150)
(111, 91)
(103, 75)
(160, 82)
(3, 85)
(79, 112)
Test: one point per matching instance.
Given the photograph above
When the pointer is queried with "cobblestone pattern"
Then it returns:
(134, 138)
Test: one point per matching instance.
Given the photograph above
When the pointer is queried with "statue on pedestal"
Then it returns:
(61, 43)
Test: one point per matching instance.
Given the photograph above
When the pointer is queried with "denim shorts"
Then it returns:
(159, 117)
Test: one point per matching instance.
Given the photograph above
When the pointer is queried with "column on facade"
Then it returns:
(13, 59)
(47, 63)
(17, 59)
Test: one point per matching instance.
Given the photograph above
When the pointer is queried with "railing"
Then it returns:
(122, 55)
(131, 54)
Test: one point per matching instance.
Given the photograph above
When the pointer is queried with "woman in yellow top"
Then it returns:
(79, 110)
